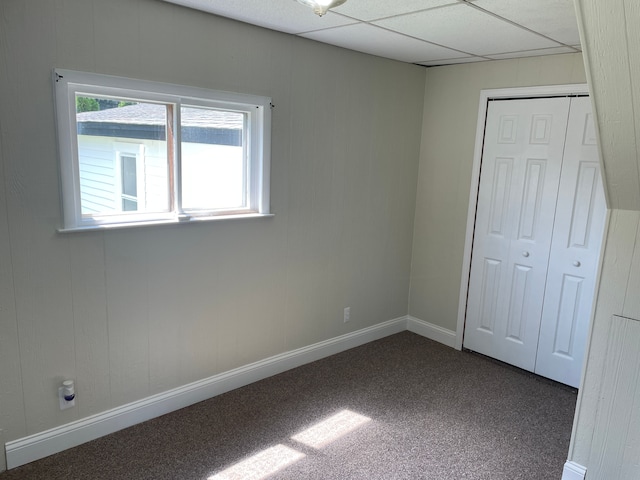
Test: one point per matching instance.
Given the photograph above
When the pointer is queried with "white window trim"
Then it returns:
(258, 108)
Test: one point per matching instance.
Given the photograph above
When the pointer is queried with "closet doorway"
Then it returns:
(540, 215)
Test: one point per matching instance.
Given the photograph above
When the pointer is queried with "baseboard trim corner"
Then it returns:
(573, 471)
(34, 447)
(431, 331)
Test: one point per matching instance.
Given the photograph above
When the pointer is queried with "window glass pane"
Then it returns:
(214, 170)
(129, 177)
(129, 205)
(122, 151)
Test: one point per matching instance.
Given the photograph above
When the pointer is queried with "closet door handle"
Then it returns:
(576, 263)
(525, 254)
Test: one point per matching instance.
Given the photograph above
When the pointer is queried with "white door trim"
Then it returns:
(485, 96)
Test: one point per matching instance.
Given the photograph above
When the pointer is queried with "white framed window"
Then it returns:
(135, 152)
(128, 183)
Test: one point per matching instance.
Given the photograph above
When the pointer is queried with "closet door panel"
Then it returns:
(575, 250)
(521, 165)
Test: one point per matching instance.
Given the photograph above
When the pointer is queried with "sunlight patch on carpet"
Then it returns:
(261, 465)
(331, 429)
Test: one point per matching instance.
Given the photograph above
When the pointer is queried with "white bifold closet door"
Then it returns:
(539, 225)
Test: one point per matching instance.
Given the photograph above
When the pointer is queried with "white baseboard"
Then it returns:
(43, 444)
(573, 471)
(431, 331)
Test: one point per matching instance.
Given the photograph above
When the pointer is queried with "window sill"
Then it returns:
(152, 223)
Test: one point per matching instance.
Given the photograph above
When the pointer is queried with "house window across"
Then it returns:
(134, 152)
(129, 183)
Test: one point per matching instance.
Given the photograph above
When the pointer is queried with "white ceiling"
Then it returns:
(425, 32)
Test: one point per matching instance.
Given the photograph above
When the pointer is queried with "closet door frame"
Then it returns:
(485, 97)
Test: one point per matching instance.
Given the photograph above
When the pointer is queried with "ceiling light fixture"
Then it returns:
(320, 7)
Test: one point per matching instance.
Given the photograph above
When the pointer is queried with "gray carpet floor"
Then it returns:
(435, 413)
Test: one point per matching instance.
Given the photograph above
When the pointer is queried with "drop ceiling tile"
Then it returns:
(283, 15)
(554, 18)
(533, 53)
(374, 9)
(377, 41)
(467, 29)
(452, 61)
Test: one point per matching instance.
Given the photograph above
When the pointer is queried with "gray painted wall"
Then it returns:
(451, 102)
(605, 430)
(134, 312)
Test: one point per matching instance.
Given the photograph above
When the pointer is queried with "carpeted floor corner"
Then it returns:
(411, 409)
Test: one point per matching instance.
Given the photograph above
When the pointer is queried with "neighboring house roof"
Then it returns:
(146, 121)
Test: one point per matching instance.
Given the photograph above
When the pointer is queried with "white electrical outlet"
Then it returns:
(347, 314)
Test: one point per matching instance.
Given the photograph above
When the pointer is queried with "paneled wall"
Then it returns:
(615, 448)
(605, 437)
(611, 40)
(134, 312)
(448, 138)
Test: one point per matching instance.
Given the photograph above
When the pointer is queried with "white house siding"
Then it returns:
(212, 174)
(156, 178)
(97, 175)
(99, 178)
